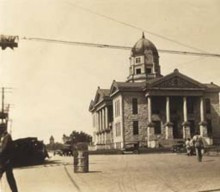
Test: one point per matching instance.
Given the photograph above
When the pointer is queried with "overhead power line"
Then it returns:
(117, 46)
(135, 27)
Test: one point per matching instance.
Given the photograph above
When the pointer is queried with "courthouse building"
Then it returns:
(152, 110)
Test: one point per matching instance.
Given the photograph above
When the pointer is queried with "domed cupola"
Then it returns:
(144, 61)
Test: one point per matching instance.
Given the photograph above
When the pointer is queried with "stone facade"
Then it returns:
(129, 118)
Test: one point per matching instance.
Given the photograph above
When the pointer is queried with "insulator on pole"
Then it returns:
(8, 41)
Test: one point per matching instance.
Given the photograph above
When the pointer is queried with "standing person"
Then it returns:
(188, 147)
(6, 147)
(198, 144)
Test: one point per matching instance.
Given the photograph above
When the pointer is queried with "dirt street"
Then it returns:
(122, 173)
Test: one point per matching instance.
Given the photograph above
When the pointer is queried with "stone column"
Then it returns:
(185, 109)
(168, 125)
(103, 119)
(100, 126)
(99, 117)
(96, 127)
(168, 109)
(201, 109)
(150, 128)
(151, 139)
(103, 126)
(96, 122)
(106, 117)
(97, 137)
(149, 109)
(107, 128)
(185, 124)
(202, 124)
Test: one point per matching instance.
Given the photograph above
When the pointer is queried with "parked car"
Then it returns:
(67, 150)
(58, 152)
(131, 148)
(28, 151)
(179, 147)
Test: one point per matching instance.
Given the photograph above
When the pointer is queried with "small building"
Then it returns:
(152, 110)
(52, 141)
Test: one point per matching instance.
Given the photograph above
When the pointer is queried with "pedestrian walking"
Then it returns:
(199, 145)
(6, 152)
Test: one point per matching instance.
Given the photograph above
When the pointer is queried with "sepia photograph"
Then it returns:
(109, 96)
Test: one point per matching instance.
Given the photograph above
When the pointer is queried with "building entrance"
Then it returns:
(176, 111)
(177, 130)
(192, 127)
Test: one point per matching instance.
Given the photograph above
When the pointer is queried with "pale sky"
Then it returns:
(53, 84)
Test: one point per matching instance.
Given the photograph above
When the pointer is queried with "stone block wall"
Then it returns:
(215, 113)
(129, 117)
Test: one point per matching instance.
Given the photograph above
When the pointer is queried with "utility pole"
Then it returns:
(4, 114)
(11, 42)
(3, 98)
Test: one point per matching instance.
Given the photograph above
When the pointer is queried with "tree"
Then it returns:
(76, 137)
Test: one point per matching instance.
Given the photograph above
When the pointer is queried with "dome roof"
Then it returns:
(142, 45)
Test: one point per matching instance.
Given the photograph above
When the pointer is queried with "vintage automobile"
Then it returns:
(28, 151)
(67, 150)
(63, 152)
(58, 152)
(132, 147)
(179, 147)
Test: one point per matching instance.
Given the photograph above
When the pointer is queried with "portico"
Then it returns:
(174, 114)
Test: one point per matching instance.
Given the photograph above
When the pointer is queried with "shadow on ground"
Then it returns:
(46, 163)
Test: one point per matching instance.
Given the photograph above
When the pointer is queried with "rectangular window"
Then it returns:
(138, 60)
(209, 127)
(134, 106)
(135, 128)
(157, 127)
(117, 129)
(148, 70)
(138, 71)
(117, 108)
(207, 106)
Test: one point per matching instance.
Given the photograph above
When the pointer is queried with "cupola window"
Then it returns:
(138, 60)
